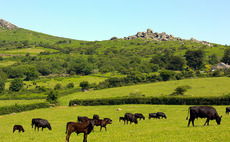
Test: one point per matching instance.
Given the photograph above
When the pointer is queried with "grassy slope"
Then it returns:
(172, 129)
(19, 102)
(200, 87)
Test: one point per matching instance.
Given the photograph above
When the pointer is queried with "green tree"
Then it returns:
(16, 85)
(213, 59)
(226, 57)
(52, 97)
(195, 58)
(176, 63)
(166, 75)
(31, 73)
(58, 86)
(2, 85)
(84, 85)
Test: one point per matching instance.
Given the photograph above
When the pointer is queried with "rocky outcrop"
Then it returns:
(150, 34)
(6, 25)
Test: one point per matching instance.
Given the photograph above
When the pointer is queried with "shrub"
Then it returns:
(58, 86)
(166, 75)
(84, 85)
(52, 97)
(16, 85)
(70, 85)
(2, 85)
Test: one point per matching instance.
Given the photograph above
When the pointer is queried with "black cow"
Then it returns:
(96, 117)
(79, 118)
(161, 114)
(130, 117)
(83, 127)
(139, 115)
(38, 122)
(103, 123)
(19, 128)
(227, 110)
(153, 115)
(203, 112)
(121, 118)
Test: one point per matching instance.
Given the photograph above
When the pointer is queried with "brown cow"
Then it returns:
(103, 123)
(83, 127)
(19, 128)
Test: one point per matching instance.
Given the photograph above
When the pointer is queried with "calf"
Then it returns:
(103, 123)
(161, 114)
(121, 118)
(38, 122)
(96, 117)
(139, 115)
(130, 117)
(83, 127)
(227, 110)
(79, 118)
(153, 115)
(19, 128)
(203, 112)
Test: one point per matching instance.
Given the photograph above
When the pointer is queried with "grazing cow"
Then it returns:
(79, 118)
(153, 115)
(121, 118)
(203, 112)
(139, 115)
(227, 110)
(95, 116)
(83, 127)
(130, 117)
(161, 114)
(103, 123)
(38, 122)
(19, 128)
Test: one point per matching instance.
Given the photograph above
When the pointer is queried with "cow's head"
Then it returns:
(49, 127)
(135, 120)
(218, 119)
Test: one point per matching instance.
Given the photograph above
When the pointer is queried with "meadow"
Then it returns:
(172, 129)
(19, 102)
(204, 87)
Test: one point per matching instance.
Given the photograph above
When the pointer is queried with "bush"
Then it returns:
(58, 86)
(16, 85)
(52, 97)
(84, 85)
(2, 85)
(70, 85)
(166, 75)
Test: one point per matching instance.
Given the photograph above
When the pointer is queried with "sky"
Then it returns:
(92, 20)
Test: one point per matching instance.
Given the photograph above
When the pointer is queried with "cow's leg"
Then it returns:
(207, 121)
(85, 137)
(67, 137)
(190, 121)
(105, 128)
(100, 128)
(193, 122)
(42, 128)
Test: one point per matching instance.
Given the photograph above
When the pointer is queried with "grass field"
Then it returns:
(199, 87)
(19, 102)
(172, 129)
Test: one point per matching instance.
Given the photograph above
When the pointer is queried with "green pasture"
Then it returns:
(32, 51)
(199, 87)
(172, 129)
(7, 63)
(19, 102)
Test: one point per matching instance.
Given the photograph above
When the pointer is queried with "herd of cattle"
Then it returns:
(86, 125)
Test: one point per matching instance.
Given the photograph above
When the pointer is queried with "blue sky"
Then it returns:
(92, 20)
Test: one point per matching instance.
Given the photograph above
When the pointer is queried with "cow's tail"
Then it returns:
(188, 113)
(66, 128)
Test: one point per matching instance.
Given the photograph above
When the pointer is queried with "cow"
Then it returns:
(103, 123)
(161, 114)
(82, 127)
(19, 128)
(203, 112)
(227, 110)
(130, 117)
(139, 115)
(79, 118)
(153, 115)
(39, 122)
(121, 118)
(96, 117)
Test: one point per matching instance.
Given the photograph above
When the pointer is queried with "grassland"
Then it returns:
(199, 87)
(172, 129)
(19, 102)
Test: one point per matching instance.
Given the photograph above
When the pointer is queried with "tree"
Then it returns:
(57, 86)
(226, 57)
(213, 59)
(176, 63)
(166, 75)
(52, 97)
(195, 58)
(16, 85)
(2, 85)
(31, 74)
(84, 85)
